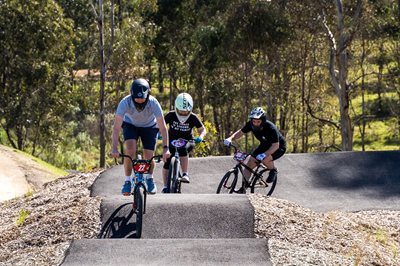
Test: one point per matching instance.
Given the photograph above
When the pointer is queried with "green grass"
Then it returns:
(56, 171)
(23, 214)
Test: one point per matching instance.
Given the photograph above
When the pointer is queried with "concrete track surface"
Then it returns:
(199, 227)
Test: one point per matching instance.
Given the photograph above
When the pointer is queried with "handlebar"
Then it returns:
(157, 158)
(179, 143)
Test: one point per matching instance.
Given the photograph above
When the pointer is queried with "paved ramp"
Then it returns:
(202, 228)
(168, 252)
(182, 216)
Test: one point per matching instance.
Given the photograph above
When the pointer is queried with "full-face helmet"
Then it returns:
(183, 106)
(140, 89)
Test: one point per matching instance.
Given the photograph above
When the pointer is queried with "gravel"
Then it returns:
(38, 228)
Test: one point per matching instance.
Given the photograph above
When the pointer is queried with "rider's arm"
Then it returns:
(164, 134)
(115, 135)
(163, 130)
(237, 135)
(202, 132)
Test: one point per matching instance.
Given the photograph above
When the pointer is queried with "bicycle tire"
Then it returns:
(259, 183)
(228, 182)
(138, 204)
(177, 174)
(170, 174)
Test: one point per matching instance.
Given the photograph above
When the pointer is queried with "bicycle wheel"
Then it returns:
(138, 205)
(173, 174)
(259, 184)
(170, 174)
(228, 182)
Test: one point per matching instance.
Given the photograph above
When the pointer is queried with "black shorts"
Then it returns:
(184, 151)
(263, 148)
(148, 135)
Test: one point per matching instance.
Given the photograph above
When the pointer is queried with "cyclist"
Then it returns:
(181, 122)
(272, 144)
(140, 116)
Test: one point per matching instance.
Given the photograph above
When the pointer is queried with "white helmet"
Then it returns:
(183, 103)
(257, 113)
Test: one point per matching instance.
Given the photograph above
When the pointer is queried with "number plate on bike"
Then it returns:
(179, 143)
(240, 156)
(141, 168)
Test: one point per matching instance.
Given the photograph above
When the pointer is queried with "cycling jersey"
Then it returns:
(182, 130)
(145, 118)
(267, 135)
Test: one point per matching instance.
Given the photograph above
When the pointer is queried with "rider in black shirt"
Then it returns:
(181, 122)
(272, 143)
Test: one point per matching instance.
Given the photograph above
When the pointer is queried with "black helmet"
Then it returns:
(140, 88)
(257, 113)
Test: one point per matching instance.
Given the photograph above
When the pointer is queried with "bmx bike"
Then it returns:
(139, 190)
(256, 181)
(174, 179)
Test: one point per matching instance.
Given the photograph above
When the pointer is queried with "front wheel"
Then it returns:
(173, 175)
(138, 206)
(259, 184)
(228, 182)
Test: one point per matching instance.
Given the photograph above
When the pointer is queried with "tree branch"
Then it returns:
(325, 121)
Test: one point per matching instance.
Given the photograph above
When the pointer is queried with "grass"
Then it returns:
(56, 171)
(23, 214)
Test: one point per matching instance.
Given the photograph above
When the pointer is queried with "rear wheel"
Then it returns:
(228, 182)
(259, 184)
(138, 205)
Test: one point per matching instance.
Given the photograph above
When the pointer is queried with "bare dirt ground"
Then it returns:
(20, 174)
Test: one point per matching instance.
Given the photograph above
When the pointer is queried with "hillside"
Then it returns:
(20, 173)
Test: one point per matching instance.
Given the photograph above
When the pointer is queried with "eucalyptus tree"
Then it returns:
(36, 53)
(340, 37)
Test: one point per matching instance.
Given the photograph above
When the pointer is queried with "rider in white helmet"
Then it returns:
(272, 143)
(181, 122)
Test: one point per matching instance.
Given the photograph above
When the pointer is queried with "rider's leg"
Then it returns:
(184, 163)
(251, 163)
(269, 162)
(130, 149)
(149, 139)
(165, 172)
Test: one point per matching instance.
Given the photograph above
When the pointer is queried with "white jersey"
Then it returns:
(145, 118)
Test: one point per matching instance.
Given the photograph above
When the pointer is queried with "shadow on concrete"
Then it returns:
(375, 172)
(120, 223)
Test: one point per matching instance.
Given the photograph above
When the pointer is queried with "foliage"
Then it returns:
(229, 55)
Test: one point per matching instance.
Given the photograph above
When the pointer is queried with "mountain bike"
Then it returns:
(139, 190)
(174, 172)
(229, 181)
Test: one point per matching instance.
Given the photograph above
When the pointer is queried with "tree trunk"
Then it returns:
(102, 129)
(338, 59)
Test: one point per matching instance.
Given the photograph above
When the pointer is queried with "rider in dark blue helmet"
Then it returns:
(140, 116)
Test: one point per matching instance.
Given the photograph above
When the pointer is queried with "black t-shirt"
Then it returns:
(268, 134)
(181, 130)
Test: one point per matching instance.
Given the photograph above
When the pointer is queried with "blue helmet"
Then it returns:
(140, 89)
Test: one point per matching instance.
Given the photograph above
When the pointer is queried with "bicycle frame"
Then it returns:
(139, 168)
(174, 173)
(229, 180)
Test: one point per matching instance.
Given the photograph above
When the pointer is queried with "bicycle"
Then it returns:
(174, 179)
(139, 191)
(256, 181)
